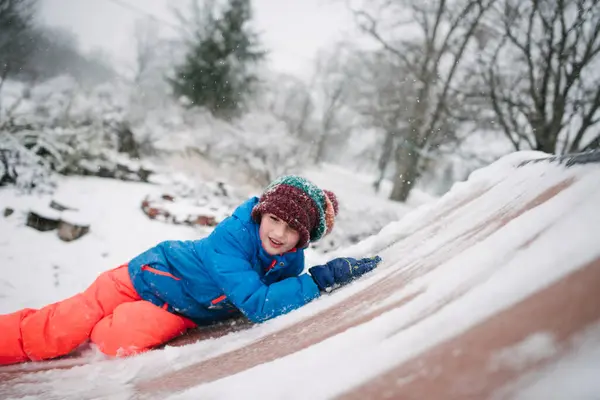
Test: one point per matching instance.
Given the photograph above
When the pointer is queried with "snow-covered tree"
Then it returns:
(222, 50)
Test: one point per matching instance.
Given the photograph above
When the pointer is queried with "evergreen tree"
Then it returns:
(217, 72)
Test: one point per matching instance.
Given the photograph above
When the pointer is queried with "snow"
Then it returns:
(476, 278)
(536, 347)
(575, 377)
(46, 212)
(75, 218)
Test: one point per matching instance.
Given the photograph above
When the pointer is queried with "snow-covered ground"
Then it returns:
(39, 268)
(458, 266)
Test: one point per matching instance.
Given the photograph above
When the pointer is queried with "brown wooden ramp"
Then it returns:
(460, 368)
(432, 266)
(563, 309)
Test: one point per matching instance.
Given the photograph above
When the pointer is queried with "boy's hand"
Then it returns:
(340, 271)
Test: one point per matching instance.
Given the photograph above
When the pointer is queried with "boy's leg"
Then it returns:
(11, 350)
(136, 327)
(59, 328)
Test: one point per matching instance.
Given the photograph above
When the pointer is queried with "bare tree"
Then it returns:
(154, 60)
(290, 100)
(146, 42)
(314, 111)
(381, 92)
(56, 52)
(540, 78)
(16, 30)
(331, 85)
(431, 44)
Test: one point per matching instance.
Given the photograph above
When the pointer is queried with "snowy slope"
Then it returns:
(489, 291)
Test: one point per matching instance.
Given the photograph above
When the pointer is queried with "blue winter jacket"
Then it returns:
(214, 278)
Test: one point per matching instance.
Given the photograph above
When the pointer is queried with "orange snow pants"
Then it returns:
(110, 313)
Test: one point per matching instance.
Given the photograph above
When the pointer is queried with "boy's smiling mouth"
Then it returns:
(275, 243)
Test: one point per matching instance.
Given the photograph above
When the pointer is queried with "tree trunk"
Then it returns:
(126, 141)
(407, 160)
(409, 144)
(545, 146)
(384, 159)
(320, 148)
(545, 140)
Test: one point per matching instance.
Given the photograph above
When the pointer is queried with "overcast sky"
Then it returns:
(292, 30)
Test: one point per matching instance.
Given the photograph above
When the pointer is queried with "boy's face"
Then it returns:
(276, 236)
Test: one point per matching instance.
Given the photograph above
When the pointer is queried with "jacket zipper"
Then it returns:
(159, 272)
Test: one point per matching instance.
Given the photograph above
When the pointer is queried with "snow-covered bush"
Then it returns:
(63, 127)
(256, 143)
(99, 130)
(22, 166)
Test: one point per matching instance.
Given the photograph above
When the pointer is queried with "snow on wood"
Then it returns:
(71, 224)
(43, 218)
(41, 222)
(483, 277)
(485, 292)
(61, 205)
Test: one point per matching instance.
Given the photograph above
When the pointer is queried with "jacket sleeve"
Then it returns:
(229, 266)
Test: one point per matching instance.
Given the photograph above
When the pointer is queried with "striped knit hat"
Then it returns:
(301, 204)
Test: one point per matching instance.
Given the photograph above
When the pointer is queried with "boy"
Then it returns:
(251, 264)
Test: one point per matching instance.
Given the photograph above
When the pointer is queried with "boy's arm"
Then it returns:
(228, 265)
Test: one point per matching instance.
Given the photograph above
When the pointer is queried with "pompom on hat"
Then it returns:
(301, 204)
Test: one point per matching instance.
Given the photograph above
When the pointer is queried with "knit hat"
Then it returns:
(301, 204)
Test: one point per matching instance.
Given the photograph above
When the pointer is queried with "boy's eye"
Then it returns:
(274, 218)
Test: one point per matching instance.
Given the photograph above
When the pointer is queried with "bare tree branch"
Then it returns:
(593, 145)
(465, 39)
(372, 30)
(555, 45)
(586, 122)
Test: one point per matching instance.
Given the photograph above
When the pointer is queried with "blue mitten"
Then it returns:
(340, 271)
